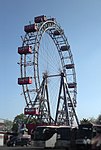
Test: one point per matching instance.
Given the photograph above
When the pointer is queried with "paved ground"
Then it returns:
(22, 148)
(17, 148)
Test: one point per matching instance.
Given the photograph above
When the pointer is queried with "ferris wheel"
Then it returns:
(48, 75)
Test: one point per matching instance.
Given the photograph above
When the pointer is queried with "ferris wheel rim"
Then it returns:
(57, 27)
(36, 47)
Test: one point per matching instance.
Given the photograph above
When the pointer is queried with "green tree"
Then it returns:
(92, 120)
(98, 120)
(19, 119)
(8, 125)
(22, 119)
(85, 121)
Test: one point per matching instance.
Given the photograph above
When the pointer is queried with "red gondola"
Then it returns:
(30, 28)
(25, 80)
(71, 85)
(40, 19)
(31, 111)
(56, 32)
(65, 47)
(69, 66)
(25, 50)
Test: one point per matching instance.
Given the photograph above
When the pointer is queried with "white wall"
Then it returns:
(1, 139)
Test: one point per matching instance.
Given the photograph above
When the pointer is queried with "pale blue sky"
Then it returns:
(81, 21)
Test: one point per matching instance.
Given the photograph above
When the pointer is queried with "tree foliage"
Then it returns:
(19, 119)
(84, 121)
(22, 119)
(8, 125)
(98, 120)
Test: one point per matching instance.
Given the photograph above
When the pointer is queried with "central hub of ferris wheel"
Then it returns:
(48, 75)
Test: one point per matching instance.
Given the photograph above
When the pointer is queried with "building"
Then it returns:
(2, 133)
